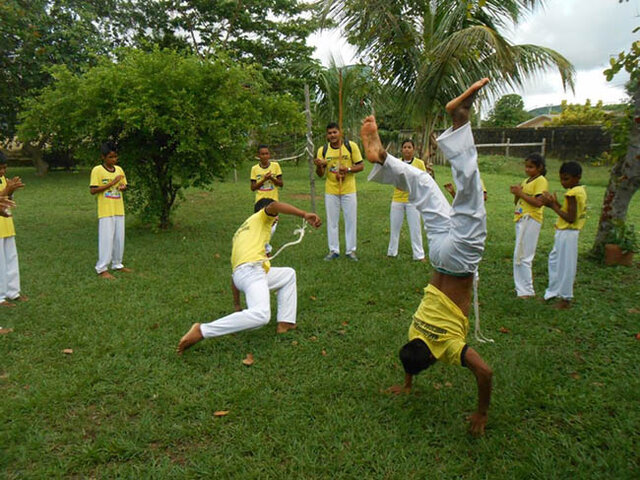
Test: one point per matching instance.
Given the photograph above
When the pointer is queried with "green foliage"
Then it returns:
(179, 121)
(618, 125)
(629, 61)
(507, 112)
(574, 114)
(623, 235)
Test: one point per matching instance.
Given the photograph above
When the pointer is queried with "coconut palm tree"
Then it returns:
(428, 50)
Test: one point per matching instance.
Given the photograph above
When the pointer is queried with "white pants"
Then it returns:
(563, 264)
(348, 203)
(110, 243)
(527, 233)
(9, 270)
(251, 279)
(397, 214)
(456, 233)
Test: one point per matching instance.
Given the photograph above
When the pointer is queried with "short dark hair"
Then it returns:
(408, 140)
(260, 204)
(538, 161)
(107, 147)
(3, 159)
(571, 168)
(416, 356)
(333, 125)
(262, 145)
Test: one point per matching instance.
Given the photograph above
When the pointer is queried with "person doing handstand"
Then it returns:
(456, 234)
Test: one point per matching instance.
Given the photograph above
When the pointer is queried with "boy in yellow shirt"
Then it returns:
(563, 259)
(108, 182)
(456, 235)
(266, 176)
(9, 268)
(254, 275)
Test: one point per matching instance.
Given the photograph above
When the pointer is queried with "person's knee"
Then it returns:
(260, 315)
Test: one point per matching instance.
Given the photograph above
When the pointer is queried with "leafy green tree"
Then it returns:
(179, 121)
(507, 112)
(586, 114)
(429, 50)
(625, 173)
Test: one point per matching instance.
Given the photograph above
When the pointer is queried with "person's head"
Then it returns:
(262, 203)
(109, 154)
(535, 165)
(333, 134)
(570, 174)
(408, 149)
(416, 356)
(3, 164)
(264, 154)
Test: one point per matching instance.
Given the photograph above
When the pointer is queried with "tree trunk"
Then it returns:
(623, 183)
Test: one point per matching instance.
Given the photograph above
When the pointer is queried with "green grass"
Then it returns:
(123, 405)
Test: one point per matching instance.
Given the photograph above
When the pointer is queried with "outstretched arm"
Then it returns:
(483, 374)
(276, 208)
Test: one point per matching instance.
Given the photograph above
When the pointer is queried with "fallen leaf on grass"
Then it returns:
(342, 332)
(294, 343)
(344, 324)
(313, 298)
(324, 353)
(154, 326)
(637, 336)
(597, 384)
(313, 338)
(437, 386)
(504, 330)
(448, 384)
(4, 331)
(4, 376)
(574, 375)
(633, 310)
(216, 255)
(221, 413)
(248, 361)
(67, 351)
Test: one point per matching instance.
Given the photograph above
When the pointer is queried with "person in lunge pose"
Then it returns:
(456, 234)
(253, 275)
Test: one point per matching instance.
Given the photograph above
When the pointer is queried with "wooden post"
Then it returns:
(506, 153)
(544, 146)
(310, 148)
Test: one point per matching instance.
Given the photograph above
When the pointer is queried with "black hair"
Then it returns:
(3, 159)
(262, 145)
(333, 125)
(408, 140)
(107, 147)
(571, 168)
(260, 204)
(538, 161)
(416, 356)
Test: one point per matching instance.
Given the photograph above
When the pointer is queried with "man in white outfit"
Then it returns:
(253, 275)
(456, 235)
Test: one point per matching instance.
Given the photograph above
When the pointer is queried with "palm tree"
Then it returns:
(428, 50)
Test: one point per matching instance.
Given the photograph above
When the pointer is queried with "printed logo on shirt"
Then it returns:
(428, 330)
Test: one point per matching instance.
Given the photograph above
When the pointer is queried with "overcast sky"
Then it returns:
(586, 32)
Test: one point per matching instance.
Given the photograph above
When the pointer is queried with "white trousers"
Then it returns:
(110, 243)
(348, 203)
(563, 264)
(9, 270)
(397, 214)
(251, 279)
(527, 233)
(456, 233)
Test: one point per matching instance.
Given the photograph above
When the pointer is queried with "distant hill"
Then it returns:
(558, 108)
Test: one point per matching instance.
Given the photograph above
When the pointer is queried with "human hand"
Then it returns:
(122, 187)
(5, 203)
(117, 179)
(449, 188)
(267, 175)
(477, 422)
(14, 184)
(313, 219)
(343, 170)
(549, 199)
(515, 189)
(397, 390)
(319, 162)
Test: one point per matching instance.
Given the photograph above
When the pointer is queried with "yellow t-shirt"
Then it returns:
(332, 186)
(6, 223)
(268, 189)
(400, 196)
(250, 239)
(441, 325)
(533, 188)
(110, 201)
(580, 194)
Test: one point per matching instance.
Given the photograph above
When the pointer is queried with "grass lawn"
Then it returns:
(566, 383)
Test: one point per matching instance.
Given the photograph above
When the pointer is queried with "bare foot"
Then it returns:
(193, 336)
(5, 303)
(284, 327)
(397, 390)
(21, 298)
(526, 297)
(124, 269)
(562, 305)
(106, 275)
(373, 149)
(459, 108)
